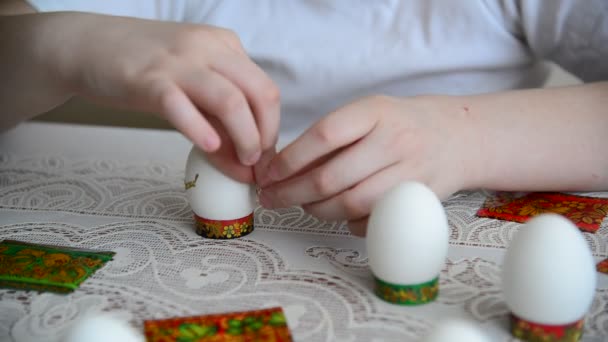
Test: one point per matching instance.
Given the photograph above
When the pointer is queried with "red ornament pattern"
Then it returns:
(587, 213)
(224, 229)
(536, 332)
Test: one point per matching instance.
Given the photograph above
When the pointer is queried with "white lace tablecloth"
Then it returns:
(122, 190)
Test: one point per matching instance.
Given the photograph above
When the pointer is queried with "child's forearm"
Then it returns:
(542, 139)
(31, 83)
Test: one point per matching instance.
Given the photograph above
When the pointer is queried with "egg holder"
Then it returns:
(530, 331)
(407, 294)
(223, 229)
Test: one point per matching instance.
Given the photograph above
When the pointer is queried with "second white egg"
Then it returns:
(407, 243)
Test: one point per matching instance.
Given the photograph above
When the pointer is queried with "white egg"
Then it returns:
(456, 330)
(213, 195)
(102, 328)
(549, 275)
(407, 235)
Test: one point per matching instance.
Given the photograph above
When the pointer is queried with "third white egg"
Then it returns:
(549, 275)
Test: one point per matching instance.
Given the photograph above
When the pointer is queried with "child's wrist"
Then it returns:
(56, 50)
(475, 150)
(467, 141)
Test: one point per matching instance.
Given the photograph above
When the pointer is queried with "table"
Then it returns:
(122, 190)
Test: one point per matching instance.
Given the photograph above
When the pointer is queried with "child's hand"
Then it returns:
(197, 77)
(339, 167)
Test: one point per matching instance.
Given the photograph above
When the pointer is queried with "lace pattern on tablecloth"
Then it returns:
(160, 272)
(163, 269)
(155, 191)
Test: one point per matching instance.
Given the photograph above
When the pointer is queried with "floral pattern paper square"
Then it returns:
(251, 326)
(587, 213)
(29, 266)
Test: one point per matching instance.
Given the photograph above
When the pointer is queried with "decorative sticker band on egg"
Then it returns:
(407, 294)
(530, 331)
(224, 229)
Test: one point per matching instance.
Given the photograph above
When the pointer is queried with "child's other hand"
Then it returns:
(197, 77)
(339, 167)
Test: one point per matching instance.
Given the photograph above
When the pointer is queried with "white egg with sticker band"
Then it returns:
(223, 207)
(549, 280)
(407, 244)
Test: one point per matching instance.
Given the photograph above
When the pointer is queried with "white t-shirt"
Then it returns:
(325, 53)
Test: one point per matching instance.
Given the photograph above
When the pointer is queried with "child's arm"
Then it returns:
(544, 139)
(197, 77)
(27, 86)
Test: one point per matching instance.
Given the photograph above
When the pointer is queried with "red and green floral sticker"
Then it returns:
(587, 213)
(28, 266)
(251, 326)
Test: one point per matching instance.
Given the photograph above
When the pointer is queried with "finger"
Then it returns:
(268, 197)
(335, 131)
(266, 181)
(183, 114)
(358, 201)
(354, 164)
(219, 97)
(358, 227)
(261, 167)
(225, 158)
(261, 92)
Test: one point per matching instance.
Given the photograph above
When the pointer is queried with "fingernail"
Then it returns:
(210, 144)
(252, 159)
